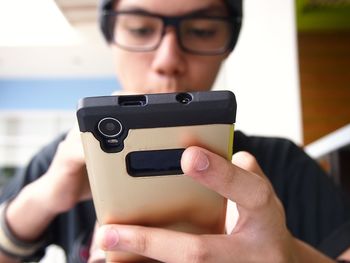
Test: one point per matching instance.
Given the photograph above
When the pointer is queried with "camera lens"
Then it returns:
(110, 127)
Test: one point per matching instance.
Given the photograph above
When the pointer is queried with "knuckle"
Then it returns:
(262, 195)
(141, 242)
(227, 179)
(197, 252)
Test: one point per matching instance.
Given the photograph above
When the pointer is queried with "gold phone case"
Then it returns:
(133, 146)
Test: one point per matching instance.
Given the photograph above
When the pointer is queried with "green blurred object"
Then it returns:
(8, 171)
(5, 174)
(323, 15)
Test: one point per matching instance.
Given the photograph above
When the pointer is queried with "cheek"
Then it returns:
(131, 68)
(205, 71)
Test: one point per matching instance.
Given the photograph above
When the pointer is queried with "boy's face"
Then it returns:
(168, 68)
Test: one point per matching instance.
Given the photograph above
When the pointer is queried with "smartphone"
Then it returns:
(133, 146)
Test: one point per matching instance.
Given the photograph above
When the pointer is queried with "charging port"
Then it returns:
(136, 100)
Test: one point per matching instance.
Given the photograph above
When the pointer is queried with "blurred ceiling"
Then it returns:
(89, 57)
(79, 11)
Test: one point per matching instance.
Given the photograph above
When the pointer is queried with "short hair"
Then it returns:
(234, 7)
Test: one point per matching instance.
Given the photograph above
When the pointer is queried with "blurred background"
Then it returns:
(290, 72)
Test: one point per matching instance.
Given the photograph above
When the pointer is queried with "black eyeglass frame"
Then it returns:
(108, 23)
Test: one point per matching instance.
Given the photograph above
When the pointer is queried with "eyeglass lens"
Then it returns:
(142, 33)
(137, 31)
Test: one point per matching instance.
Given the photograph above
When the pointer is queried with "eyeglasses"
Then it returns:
(198, 34)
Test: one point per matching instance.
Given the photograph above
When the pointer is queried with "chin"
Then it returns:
(156, 89)
(167, 90)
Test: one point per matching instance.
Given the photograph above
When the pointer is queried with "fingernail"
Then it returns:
(202, 162)
(111, 238)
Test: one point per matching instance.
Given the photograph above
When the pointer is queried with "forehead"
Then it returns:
(172, 7)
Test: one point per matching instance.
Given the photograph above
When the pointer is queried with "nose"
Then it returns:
(169, 59)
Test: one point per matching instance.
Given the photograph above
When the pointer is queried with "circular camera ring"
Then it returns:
(110, 127)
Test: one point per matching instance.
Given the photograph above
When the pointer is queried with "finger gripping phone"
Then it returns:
(133, 146)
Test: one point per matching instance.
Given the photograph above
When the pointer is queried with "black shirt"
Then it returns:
(316, 210)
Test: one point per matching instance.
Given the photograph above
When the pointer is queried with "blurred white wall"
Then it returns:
(90, 57)
(23, 133)
(263, 71)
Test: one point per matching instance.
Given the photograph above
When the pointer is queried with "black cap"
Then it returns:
(235, 7)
